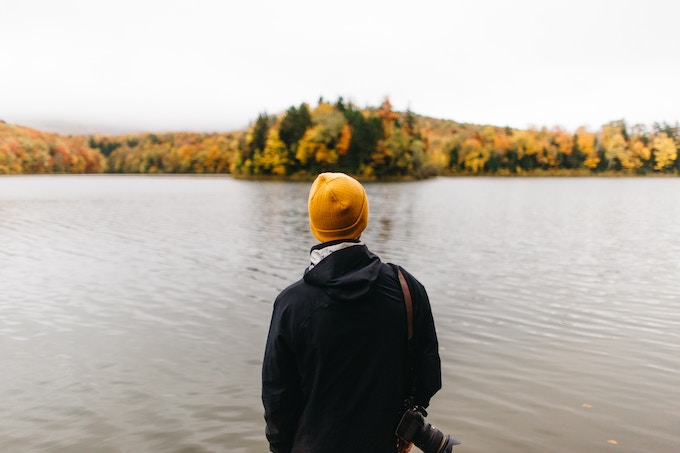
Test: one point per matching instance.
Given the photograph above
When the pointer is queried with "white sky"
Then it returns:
(198, 65)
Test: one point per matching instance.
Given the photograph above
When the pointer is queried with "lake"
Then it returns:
(134, 309)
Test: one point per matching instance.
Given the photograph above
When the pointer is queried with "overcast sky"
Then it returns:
(198, 65)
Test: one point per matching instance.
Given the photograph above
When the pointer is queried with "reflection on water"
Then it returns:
(134, 309)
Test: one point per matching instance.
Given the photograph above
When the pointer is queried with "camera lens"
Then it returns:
(414, 428)
(431, 440)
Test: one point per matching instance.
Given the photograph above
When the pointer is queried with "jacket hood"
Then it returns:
(347, 274)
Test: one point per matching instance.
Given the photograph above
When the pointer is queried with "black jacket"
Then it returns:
(334, 375)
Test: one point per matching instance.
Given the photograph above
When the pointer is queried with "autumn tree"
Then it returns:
(472, 155)
(585, 143)
(672, 132)
(329, 138)
(273, 159)
(401, 149)
(257, 136)
(313, 148)
(665, 152)
(525, 146)
(615, 145)
(454, 150)
(294, 124)
(372, 142)
(567, 153)
(366, 131)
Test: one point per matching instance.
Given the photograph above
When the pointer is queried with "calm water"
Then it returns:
(134, 310)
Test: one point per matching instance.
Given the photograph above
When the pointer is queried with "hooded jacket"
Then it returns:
(336, 372)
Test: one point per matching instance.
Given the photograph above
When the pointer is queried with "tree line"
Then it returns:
(616, 148)
(372, 143)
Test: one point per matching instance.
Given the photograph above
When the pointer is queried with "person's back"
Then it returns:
(335, 372)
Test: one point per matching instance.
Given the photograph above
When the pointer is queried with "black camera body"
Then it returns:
(413, 428)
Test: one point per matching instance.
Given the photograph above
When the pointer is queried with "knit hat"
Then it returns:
(338, 207)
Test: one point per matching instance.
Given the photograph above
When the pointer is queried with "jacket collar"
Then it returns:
(321, 251)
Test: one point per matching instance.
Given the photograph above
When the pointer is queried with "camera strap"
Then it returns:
(409, 308)
(409, 304)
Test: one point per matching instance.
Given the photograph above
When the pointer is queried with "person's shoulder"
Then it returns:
(409, 277)
(296, 295)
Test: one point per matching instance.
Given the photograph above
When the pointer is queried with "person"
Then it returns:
(336, 372)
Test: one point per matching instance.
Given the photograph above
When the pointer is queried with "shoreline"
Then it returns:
(392, 179)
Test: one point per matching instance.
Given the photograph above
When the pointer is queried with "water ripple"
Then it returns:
(133, 310)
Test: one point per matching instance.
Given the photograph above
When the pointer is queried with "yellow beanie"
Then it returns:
(338, 207)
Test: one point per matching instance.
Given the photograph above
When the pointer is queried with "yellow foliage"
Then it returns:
(546, 153)
(471, 145)
(307, 145)
(641, 150)
(313, 145)
(473, 154)
(274, 157)
(386, 114)
(614, 143)
(387, 143)
(586, 143)
(474, 162)
(564, 141)
(439, 159)
(367, 171)
(325, 156)
(488, 134)
(637, 154)
(501, 142)
(665, 151)
(343, 142)
(330, 119)
(524, 143)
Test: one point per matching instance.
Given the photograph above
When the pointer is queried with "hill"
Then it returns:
(371, 143)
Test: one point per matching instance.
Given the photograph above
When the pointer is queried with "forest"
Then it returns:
(373, 143)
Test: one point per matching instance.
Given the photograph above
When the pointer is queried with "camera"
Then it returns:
(413, 428)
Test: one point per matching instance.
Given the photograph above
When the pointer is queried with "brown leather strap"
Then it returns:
(409, 303)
